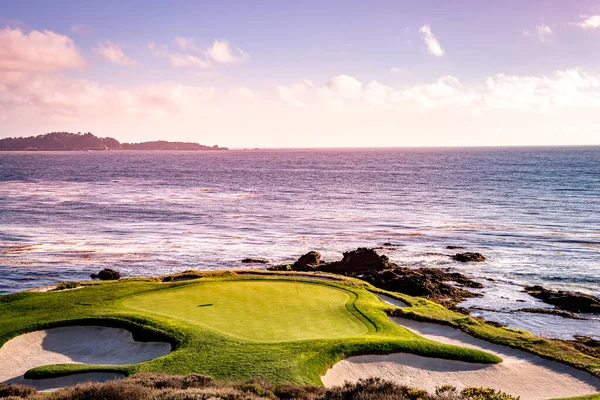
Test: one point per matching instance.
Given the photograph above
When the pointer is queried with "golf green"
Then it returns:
(261, 310)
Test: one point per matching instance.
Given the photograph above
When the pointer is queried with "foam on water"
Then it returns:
(534, 213)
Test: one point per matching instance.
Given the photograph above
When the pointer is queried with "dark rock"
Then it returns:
(307, 262)
(107, 274)
(468, 257)
(436, 284)
(558, 313)
(454, 247)
(254, 261)
(564, 300)
(359, 260)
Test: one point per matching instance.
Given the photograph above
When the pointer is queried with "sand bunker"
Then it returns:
(520, 374)
(73, 344)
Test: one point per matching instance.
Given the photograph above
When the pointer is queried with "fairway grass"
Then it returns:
(261, 310)
(229, 326)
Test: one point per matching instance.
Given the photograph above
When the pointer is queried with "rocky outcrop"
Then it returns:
(254, 261)
(443, 286)
(358, 261)
(564, 300)
(107, 274)
(468, 257)
(307, 262)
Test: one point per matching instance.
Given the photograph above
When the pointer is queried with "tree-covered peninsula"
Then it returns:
(66, 141)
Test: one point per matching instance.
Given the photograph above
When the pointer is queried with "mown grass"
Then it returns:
(241, 309)
(216, 351)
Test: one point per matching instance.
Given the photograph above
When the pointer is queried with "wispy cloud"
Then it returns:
(544, 32)
(80, 28)
(589, 22)
(192, 55)
(222, 53)
(433, 45)
(114, 53)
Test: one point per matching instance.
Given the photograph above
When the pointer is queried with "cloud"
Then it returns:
(80, 28)
(244, 93)
(178, 59)
(572, 88)
(187, 60)
(544, 32)
(589, 22)
(345, 86)
(222, 53)
(290, 94)
(433, 45)
(114, 54)
(185, 43)
(397, 69)
(37, 51)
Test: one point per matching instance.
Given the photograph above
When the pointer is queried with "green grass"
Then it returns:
(268, 327)
(263, 311)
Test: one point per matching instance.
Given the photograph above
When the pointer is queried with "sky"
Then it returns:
(304, 73)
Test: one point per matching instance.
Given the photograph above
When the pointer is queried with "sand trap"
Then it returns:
(73, 344)
(520, 374)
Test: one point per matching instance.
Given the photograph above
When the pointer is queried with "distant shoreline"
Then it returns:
(66, 141)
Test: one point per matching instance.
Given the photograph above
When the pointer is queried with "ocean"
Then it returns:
(533, 212)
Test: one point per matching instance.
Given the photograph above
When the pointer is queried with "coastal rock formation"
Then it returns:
(308, 261)
(357, 261)
(254, 261)
(564, 300)
(366, 264)
(107, 274)
(468, 257)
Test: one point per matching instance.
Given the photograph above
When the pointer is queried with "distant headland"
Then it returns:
(66, 141)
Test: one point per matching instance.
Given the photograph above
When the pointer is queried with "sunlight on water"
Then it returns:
(535, 213)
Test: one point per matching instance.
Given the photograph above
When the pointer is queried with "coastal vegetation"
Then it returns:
(66, 141)
(149, 386)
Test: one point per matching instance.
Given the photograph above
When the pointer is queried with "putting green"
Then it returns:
(261, 310)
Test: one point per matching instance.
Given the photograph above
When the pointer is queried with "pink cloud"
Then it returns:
(37, 51)
(114, 53)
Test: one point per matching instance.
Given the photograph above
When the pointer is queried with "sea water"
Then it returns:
(533, 212)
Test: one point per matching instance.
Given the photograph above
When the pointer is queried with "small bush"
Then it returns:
(485, 394)
(256, 389)
(113, 390)
(290, 391)
(15, 391)
(67, 285)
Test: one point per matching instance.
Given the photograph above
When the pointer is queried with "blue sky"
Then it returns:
(274, 45)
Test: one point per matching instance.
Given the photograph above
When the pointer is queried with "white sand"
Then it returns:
(520, 374)
(73, 344)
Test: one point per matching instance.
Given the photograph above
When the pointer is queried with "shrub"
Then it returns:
(113, 390)
(15, 391)
(371, 389)
(67, 285)
(485, 394)
(290, 391)
(256, 389)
